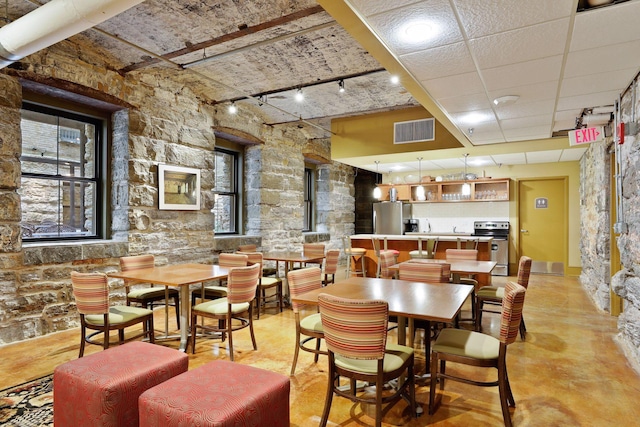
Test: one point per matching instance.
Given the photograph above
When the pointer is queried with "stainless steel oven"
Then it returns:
(499, 230)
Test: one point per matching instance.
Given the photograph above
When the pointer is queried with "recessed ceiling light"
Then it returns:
(395, 80)
(417, 32)
(506, 100)
(473, 118)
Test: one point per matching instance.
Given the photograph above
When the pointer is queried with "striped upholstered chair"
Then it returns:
(386, 260)
(264, 284)
(356, 336)
(266, 271)
(428, 272)
(209, 292)
(148, 296)
(493, 294)
(308, 328)
(235, 311)
(91, 292)
(331, 266)
(480, 350)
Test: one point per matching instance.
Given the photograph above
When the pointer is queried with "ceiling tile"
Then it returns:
(449, 163)
(543, 156)
(520, 45)
(460, 84)
(592, 30)
(601, 82)
(392, 26)
(588, 100)
(602, 59)
(372, 7)
(510, 159)
(518, 110)
(496, 16)
(572, 155)
(529, 72)
(541, 120)
(477, 101)
(528, 93)
(439, 62)
(532, 132)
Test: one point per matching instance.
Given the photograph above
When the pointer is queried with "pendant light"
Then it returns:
(420, 188)
(466, 187)
(377, 192)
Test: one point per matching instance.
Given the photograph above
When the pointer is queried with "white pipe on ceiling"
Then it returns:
(54, 22)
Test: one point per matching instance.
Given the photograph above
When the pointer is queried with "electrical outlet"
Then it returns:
(620, 227)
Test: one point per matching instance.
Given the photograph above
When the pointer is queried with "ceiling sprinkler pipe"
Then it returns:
(54, 22)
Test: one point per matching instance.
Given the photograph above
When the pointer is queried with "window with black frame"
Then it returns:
(226, 187)
(61, 174)
(309, 191)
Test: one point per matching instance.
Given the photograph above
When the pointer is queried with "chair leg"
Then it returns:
(259, 293)
(253, 336)
(295, 354)
(503, 388)
(194, 329)
(280, 298)
(479, 307)
(379, 388)
(176, 303)
(523, 329)
(83, 337)
(434, 382)
(328, 399)
(230, 334)
(315, 356)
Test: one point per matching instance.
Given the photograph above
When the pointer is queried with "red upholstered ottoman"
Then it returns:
(219, 394)
(102, 389)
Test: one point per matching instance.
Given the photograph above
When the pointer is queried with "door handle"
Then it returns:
(522, 230)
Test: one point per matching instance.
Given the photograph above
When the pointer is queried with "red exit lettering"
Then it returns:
(586, 135)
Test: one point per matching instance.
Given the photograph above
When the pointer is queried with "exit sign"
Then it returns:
(586, 135)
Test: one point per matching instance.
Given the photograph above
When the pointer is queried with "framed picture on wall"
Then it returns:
(179, 188)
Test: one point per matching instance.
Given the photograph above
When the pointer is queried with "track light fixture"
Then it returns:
(341, 86)
(299, 96)
(466, 187)
(232, 108)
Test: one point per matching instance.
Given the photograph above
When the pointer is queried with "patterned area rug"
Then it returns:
(28, 405)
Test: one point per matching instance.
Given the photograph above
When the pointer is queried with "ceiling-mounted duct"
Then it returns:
(414, 131)
(54, 22)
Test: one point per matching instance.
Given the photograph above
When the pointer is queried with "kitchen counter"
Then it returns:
(408, 242)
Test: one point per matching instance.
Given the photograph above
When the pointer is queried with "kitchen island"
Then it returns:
(409, 242)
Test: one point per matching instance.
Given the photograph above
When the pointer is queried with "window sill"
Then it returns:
(42, 253)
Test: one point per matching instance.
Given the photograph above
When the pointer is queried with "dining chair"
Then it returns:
(380, 245)
(331, 266)
(386, 260)
(266, 271)
(493, 294)
(314, 250)
(148, 296)
(356, 337)
(427, 252)
(264, 284)
(209, 292)
(467, 243)
(465, 255)
(301, 281)
(91, 292)
(354, 255)
(234, 312)
(476, 349)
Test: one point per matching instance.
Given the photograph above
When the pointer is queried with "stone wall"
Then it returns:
(164, 122)
(595, 233)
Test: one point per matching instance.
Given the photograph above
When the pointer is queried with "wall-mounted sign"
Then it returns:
(586, 135)
(542, 203)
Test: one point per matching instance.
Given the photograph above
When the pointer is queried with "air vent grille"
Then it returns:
(413, 131)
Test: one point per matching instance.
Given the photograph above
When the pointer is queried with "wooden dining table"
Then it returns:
(438, 302)
(180, 275)
(289, 258)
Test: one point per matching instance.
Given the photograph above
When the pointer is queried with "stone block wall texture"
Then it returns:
(166, 123)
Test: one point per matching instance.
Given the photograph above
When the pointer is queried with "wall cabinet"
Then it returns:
(482, 190)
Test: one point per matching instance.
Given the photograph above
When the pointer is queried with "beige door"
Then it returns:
(542, 206)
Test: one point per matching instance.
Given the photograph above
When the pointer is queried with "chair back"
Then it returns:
(524, 271)
(461, 254)
(137, 262)
(301, 281)
(313, 249)
(247, 248)
(331, 261)
(356, 329)
(254, 258)
(387, 259)
(428, 272)
(469, 243)
(430, 251)
(232, 260)
(91, 291)
(242, 283)
(512, 303)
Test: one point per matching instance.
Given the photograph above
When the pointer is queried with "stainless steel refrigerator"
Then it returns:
(389, 217)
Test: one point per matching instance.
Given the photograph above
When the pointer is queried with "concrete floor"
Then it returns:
(568, 372)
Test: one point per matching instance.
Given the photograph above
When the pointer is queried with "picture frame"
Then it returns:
(178, 188)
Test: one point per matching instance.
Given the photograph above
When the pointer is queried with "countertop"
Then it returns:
(414, 236)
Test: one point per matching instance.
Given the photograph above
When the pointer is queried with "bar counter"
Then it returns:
(409, 242)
